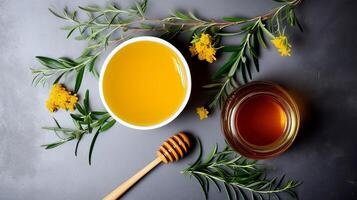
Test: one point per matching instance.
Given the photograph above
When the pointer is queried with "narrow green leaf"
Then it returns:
(233, 69)
(234, 19)
(228, 191)
(225, 68)
(90, 8)
(231, 48)
(202, 184)
(53, 145)
(247, 27)
(70, 32)
(212, 85)
(229, 34)
(50, 62)
(77, 144)
(99, 113)
(80, 109)
(261, 38)
(108, 125)
(86, 100)
(76, 117)
(79, 79)
(146, 26)
(198, 160)
(139, 9)
(56, 14)
(92, 145)
(58, 78)
(181, 15)
(211, 154)
(67, 61)
(58, 129)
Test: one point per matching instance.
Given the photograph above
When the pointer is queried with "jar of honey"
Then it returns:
(260, 120)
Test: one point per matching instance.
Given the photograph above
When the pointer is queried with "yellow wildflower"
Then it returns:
(202, 112)
(60, 98)
(203, 48)
(282, 44)
(193, 50)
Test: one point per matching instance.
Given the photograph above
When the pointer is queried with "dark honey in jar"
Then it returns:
(260, 120)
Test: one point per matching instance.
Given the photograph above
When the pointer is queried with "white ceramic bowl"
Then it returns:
(186, 68)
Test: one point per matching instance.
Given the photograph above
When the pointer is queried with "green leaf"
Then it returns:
(198, 160)
(247, 27)
(256, 63)
(225, 68)
(90, 8)
(77, 144)
(76, 117)
(233, 69)
(108, 125)
(101, 121)
(211, 154)
(68, 61)
(56, 144)
(59, 129)
(50, 62)
(86, 100)
(228, 34)
(79, 79)
(70, 32)
(139, 9)
(212, 85)
(56, 14)
(58, 78)
(234, 19)
(81, 110)
(181, 15)
(143, 5)
(146, 26)
(95, 73)
(261, 38)
(228, 191)
(202, 184)
(92, 146)
(53, 145)
(231, 48)
(91, 64)
(99, 113)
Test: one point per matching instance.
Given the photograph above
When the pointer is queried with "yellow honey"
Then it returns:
(145, 83)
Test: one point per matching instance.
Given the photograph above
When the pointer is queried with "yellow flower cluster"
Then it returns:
(203, 48)
(61, 98)
(282, 44)
(202, 112)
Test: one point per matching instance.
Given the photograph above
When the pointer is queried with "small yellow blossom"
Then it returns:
(282, 44)
(203, 47)
(60, 98)
(202, 112)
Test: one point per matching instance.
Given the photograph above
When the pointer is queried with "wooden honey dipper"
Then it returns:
(171, 150)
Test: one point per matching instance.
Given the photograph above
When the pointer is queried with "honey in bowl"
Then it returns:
(260, 120)
(145, 82)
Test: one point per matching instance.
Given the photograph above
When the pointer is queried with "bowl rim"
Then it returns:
(185, 66)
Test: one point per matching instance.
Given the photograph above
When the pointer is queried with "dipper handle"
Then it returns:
(119, 191)
(171, 150)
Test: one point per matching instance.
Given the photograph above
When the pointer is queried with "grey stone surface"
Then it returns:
(321, 74)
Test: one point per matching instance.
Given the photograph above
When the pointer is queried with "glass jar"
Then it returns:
(260, 120)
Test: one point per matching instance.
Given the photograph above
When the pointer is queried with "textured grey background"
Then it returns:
(321, 74)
